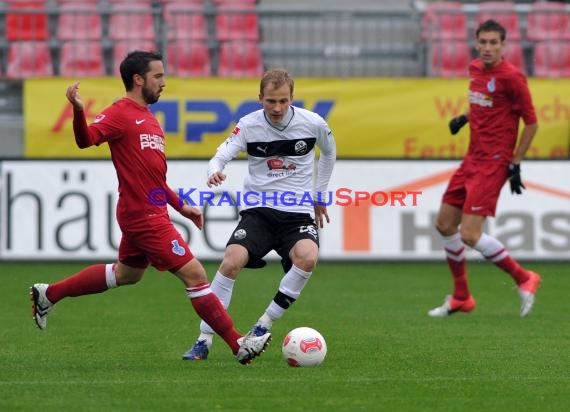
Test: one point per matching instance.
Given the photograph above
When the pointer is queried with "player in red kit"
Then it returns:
(498, 98)
(136, 141)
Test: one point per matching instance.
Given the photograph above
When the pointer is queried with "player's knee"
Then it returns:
(469, 238)
(305, 262)
(444, 228)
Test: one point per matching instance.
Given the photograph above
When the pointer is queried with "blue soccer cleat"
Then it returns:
(199, 351)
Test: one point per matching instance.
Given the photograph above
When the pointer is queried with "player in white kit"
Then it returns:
(283, 206)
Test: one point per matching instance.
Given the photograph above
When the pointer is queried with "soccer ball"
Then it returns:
(304, 347)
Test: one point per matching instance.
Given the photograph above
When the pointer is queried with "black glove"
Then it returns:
(515, 179)
(457, 123)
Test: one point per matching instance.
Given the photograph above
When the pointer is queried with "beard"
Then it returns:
(148, 96)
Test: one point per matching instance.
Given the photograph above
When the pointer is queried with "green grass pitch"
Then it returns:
(121, 350)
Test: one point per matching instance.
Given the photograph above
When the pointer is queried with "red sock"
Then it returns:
(90, 280)
(458, 266)
(210, 309)
(509, 265)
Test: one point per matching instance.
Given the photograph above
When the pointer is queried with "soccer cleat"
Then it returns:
(251, 346)
(41, 306)
(199, 351)
(258, 330)
(527, 291)
(452, 305)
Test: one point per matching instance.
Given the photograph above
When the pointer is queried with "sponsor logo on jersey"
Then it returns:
(139, 121)
(99, 118)
(151, 141)
(480, 99)
(177, 249)
(279, 168)
(236, 131)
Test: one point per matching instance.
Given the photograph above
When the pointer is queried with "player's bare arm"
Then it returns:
(73, 96)
(216, 179)
(527, 135)
(194, 214)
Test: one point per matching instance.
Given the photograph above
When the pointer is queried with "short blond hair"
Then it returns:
(277, 78)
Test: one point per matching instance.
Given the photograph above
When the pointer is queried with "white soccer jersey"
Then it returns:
(281, 159)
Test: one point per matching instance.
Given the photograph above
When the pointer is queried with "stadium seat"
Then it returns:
(236, 21)
(240, 59)
(79, 21)
(188, 59)
(552, 59)
(29, 59)
(26, 20)
(444, 20)
(123, 47)
(185, 21)
(450, 59)
(145, 3)
(131, 21)
(548, 21)
(513, 53)
(503, 12)
(81, 59)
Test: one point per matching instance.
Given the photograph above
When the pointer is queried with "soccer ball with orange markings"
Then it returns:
(304, 347)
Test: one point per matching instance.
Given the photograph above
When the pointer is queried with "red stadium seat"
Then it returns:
(79, 21)
(444, 20)
(450, 59)
(237, 21)
(513, 53)
(185, 21)
(131, 21)
(503, 12)
(29, 59)
(81, 59)
(548, 21)
(188, 59)
(552, 59)
(123, 47)
(26, 20)
(240, 59)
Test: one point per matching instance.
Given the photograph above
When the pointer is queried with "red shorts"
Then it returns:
(475, 187)
(156, 241)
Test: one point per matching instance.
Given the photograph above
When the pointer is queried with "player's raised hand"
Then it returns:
(194, 214)
(216, 179)
(73, 96)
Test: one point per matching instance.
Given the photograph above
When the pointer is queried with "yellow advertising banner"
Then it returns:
(370, 118)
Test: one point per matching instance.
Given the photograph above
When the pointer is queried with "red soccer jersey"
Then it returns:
(136, 141)
(498, 98)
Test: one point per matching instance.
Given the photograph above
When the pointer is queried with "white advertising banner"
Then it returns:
(379, 210)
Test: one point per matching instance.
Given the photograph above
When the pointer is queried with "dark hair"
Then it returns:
(136, 62)
(492, 25)
(277, 78)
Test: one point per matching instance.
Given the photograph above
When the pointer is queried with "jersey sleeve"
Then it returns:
(522, 100)
(110, 124)
(327, 158)
(228, 150)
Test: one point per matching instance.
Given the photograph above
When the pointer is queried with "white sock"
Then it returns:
(453, 247)
(491, 248)
(223, 287)
(110, 276)
(291, 285)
